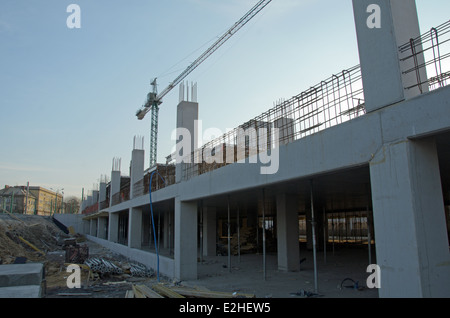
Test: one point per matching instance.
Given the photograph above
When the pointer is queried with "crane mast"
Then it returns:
(154, 99)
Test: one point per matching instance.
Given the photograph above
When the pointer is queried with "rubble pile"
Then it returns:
(29, 237)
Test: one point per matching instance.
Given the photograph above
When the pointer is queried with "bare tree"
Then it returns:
(72, 205)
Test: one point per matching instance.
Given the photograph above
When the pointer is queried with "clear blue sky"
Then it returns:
(68, 97)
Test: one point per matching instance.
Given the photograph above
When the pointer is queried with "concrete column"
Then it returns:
(167, 229)
(384, 83)
(287, 233)
(286, 130)
(187, 116)
(101, 227)
(115, 185)
(209, 231)
(89, 200)
(137, 169)
(409, 221)
(86, 227)
(94, 196)
(185, 240)
(135, 228)
(102, 192)
(93, 227)
(113, 227)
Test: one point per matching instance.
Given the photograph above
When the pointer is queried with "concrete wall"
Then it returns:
(75, 220)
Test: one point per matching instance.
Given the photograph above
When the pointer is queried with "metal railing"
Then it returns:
(426, 59)
(333, 101)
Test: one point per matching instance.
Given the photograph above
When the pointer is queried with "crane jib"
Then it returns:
(230, 32)
(154, 100)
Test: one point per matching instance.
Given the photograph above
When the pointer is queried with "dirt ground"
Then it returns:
(44, 242)
(41, 232)
(336, 276)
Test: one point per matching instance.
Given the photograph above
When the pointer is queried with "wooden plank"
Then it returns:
(129, 294)
(74, 294)
(209, 294)
(31, 245)
(147, 292)
(165, 291)
(137, 293)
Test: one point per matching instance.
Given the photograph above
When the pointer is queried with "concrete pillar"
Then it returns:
(384, 83)
(185, 240)
(102, 192)
(115, 185)
(101, 227)
(168, 229)
(287, 233)
(86, 227)
(137, 169)
(113, 227)
(409, 221)
(209, 231)
(94, 196)
(135, 228)
(286, 130)
(93, 227)
(187, 117)
(89, 200)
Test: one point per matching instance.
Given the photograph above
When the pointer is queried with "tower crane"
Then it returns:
(154, 100)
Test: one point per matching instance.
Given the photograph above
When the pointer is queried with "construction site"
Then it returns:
(342, 191)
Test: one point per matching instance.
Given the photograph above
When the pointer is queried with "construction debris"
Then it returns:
(28, 236)
(139, 270)
(305, 293)
(163, 291)
(31, 245)
(76, 254)
(189, 292)
(103, 266)
(146, 292)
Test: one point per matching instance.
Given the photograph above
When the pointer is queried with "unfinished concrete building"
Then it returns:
(361, 157)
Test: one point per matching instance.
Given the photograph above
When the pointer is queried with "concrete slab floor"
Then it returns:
(247, 276)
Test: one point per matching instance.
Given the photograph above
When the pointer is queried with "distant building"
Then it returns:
(47, 201)
(41, 201)
(16, 200)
